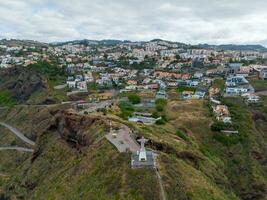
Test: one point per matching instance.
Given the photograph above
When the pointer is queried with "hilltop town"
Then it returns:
(93, 71)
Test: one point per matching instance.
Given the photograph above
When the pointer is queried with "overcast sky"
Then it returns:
(189, 21)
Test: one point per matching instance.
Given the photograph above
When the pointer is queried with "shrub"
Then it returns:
(182, 135)
(227, 140)
(164, 118)
(218, 126)
(155, 115)
(134, 98)
(125, 114)
(160, 122)
(160, 104)
(126, 106)
(126, 109)
(103, 110)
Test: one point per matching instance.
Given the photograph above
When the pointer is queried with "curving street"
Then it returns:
(18, 133)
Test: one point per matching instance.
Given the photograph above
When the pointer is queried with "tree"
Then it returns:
(155, 115)
(134, 98)
(218, 126)
(178, 57)
(160, 122)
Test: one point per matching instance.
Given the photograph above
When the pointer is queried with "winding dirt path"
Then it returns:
(162, 191)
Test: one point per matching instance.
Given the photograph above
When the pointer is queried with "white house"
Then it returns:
(236, 90)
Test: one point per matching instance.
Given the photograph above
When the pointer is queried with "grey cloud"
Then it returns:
(191, 21)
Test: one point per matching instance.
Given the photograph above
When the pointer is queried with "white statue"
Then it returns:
(142, 153)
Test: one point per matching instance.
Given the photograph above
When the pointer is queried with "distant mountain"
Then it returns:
(233, 47)
(171, 42)
(85, 42)
(15, 42)
(113, 42)
(90, 42)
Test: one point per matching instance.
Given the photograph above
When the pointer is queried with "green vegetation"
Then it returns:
(184, 88)
(61, 171)
(227, 140)
(160, 121)
(7, 99)
(148, 63)
(126, 109)
(155, 114)
(34, 84)
(160, 104)
(219, 83)
(37, 97)
(182, 135)
(55, 74)
(218, 126)
(123, 61)
(241, 121)
(207, 165)
(240, 115)
(259, 85)
(92, 87)
(134, 98)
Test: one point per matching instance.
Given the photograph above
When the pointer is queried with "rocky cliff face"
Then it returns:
(23, 82)
(28, 83)
(77, 130)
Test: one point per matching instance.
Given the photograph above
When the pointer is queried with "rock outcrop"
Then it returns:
(76, 129)
(23, 82)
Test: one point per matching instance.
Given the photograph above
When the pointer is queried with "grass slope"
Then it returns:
(192, 163)
(57, 170)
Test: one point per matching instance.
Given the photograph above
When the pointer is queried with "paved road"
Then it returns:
(40, 105)
(18, 133)
(17, 149)
(92, 107)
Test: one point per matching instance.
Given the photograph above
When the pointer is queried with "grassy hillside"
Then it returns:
(227, 167)
(7, 99)
(88, 169)
(72, 160)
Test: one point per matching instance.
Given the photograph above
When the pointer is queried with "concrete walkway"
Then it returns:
(59, 87)
(123, 140)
